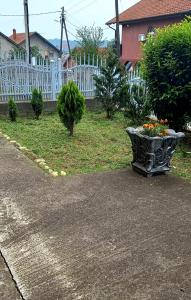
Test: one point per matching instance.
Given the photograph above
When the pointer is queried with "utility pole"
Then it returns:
(117, 37)
(63, 24)
(27, 37)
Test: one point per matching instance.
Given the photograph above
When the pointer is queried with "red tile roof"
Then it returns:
(20, 37)
(153, 8)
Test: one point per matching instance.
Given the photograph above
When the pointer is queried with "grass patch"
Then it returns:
(181, 162)
(98, 144)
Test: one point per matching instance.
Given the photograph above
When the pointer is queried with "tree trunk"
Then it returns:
(108, 114)
(71, 129)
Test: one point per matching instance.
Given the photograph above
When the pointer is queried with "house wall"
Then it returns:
(131, 47)
(44, 48)
(5, 47)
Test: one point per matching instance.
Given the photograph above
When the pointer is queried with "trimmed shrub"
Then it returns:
(110, 84)
(167, 70)
(37, 102)
(12, 108)
(70, 105)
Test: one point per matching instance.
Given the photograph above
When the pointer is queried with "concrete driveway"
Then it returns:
(114, 235)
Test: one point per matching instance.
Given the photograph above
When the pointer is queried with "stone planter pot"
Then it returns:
(152, 155)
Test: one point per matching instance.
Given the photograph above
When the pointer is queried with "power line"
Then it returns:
(84, 7)
(73, 34)
(74, 5)
(36, 14)
(75, 26)
(76, 20)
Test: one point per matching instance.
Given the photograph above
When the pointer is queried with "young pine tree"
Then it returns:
(37, 102)
(110, 83)
(71, 105)
(13, 111)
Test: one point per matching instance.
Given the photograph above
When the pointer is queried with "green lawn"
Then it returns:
(98, 144)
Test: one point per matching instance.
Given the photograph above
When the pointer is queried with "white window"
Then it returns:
(141, 37)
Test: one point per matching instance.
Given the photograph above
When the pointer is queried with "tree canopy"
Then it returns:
(89, 39)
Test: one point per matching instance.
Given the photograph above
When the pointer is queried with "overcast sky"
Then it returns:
(78, 13)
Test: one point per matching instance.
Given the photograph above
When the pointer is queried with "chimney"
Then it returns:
(14, 34)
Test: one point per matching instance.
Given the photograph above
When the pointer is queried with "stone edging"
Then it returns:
(40, 161)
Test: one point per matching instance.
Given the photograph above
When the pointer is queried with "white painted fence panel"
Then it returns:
(17, 78)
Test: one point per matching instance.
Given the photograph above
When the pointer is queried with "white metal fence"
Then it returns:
(17, 78)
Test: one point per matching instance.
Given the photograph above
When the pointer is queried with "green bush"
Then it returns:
(13, 111)
(167, 70)
(37, 103)
(110, 84)
(135, 106)
(71, 105)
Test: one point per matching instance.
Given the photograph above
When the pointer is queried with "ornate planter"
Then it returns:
(152, 155)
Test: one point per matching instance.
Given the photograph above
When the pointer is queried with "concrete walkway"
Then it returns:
(107, 236)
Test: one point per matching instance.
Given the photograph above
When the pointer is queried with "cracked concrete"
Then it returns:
(8, 288)
(114, 235)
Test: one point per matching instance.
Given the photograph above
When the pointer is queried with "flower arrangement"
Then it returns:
(159, 128)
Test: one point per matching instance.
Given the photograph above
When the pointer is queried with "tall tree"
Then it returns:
(90, 39)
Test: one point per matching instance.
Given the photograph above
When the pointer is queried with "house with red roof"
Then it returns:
(143, 18)
(46, 49)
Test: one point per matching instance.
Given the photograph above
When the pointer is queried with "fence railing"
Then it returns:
(17, 78)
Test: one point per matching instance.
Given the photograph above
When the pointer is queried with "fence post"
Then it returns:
(53, 80)
(33, 61)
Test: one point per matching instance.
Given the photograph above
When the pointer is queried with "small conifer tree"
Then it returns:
(13, 111)
(37, 102)
(110, 83)
(135, 106)
(71, 105)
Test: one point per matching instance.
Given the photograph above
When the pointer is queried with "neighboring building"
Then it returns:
(46, 49)
(6, 46)
(68, 61)
(143, 18)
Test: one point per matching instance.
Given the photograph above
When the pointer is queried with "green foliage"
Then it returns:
(21, 52)
(167, 71)
(135, 106)
(13, 111)
(90, 40)
(16, 52)
(71, 105)
(111, 44)
(37, 102)
(111, 85)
